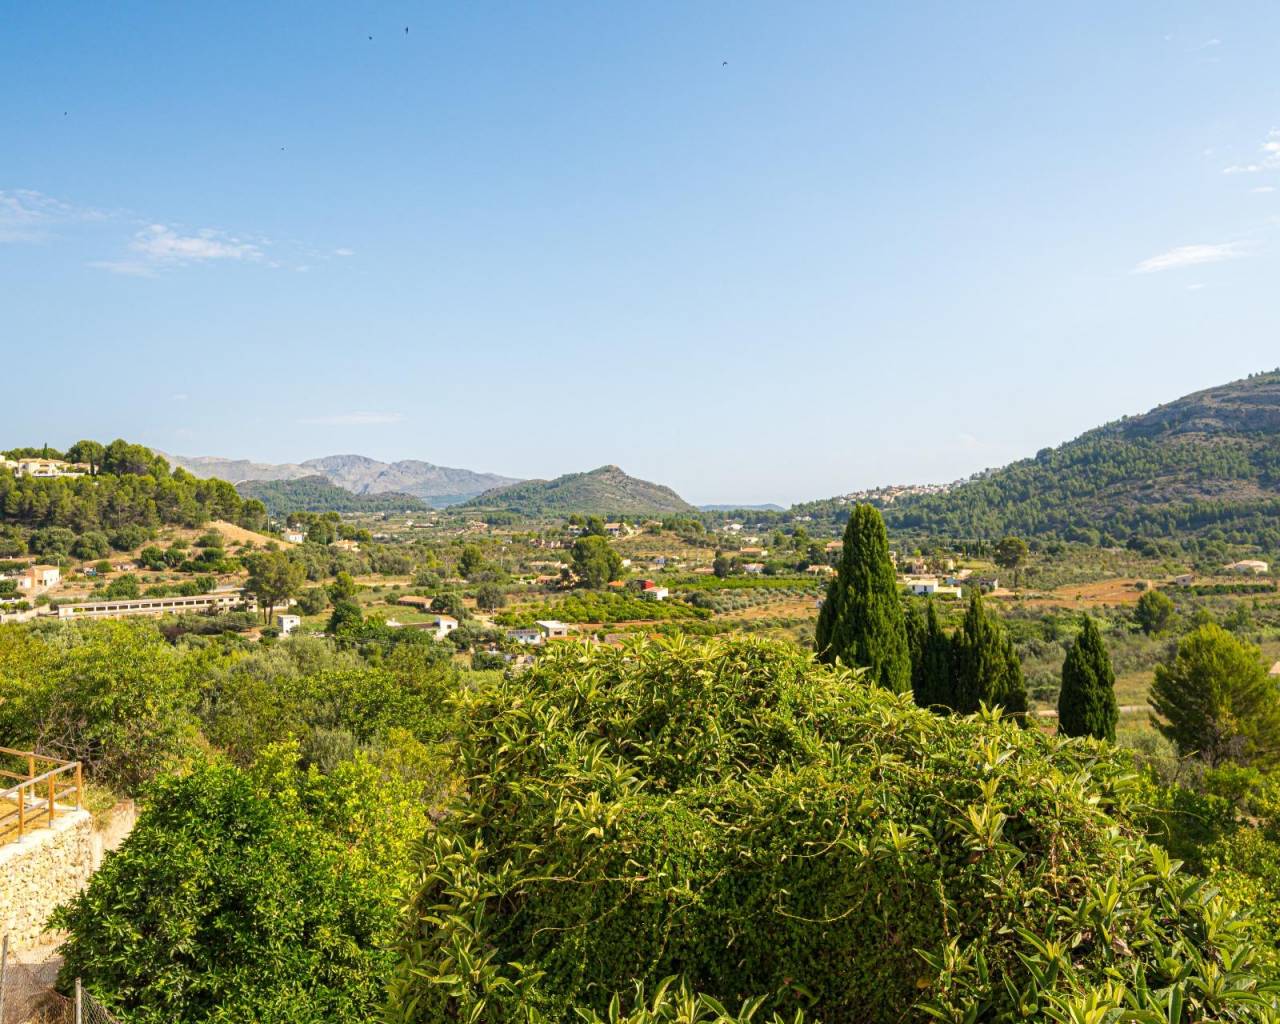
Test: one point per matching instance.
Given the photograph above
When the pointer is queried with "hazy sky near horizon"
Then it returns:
(756, 251)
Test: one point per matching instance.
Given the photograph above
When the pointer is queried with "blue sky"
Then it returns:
(882, 243)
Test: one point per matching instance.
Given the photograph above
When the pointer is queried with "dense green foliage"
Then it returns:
(113, 695)
(985, 669)
(1087, 701)
(1216, 701)
(932, 670)
(317, 494)
(262, 897)
(1154, 612)
(760, 825)
(595, 562)
(861, 622)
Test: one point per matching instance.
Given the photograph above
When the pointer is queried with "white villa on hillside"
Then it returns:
(45, 469)
(1250, 566)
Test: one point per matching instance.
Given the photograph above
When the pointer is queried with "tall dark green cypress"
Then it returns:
(985, 666)
(931, 675)
(938, 670)
(861, 621)
(1087, 701)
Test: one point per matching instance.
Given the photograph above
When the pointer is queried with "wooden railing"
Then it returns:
(49, 787)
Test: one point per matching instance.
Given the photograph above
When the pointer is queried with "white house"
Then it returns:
(46, 469)
(654, 593)
(753, 568)
(445, 624)
(923, 587)
(529, 637)
(1250, 566)
(1184, 580)
(287, 623)
(553, 629)
(294, 536)
(39, 577)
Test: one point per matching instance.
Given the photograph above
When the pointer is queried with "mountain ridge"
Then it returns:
(606, 490)
(358, 474)
(1205, 466)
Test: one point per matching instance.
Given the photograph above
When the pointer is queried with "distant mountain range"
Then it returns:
(438, 486)
(606, 491)
(1203, 469)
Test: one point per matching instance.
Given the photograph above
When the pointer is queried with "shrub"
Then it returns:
(734, 814)
(264, 897)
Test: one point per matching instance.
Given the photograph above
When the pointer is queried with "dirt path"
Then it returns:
(1125, 709)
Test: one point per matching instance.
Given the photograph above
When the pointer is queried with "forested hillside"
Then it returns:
(317, 494)
(131, 488)
(1205, 468)
(604, 491)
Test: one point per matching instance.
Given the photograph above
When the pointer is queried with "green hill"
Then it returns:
(317, 494)
(605, 491)
(1203, 469)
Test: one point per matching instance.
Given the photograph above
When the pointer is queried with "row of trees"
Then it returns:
(1213, 698)
(862, 624)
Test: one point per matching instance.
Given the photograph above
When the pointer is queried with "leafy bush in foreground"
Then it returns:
(761, 827)
(263, 897)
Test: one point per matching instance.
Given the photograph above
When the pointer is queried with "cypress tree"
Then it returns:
(1087, 701)
(938, 671)
(985, 666)
(861, 621)
(917, 631)
(930, 657)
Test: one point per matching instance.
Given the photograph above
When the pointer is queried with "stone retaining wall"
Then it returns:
(43, 870)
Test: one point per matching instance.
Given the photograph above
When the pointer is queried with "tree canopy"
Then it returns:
(736, 815)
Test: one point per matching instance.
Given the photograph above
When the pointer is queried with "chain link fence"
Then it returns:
(28, 996)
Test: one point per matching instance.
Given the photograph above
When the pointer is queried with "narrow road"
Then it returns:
(1125, 709)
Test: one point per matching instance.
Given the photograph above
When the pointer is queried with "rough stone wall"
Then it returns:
(46, 868)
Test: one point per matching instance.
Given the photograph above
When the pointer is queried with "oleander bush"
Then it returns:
(783, 840)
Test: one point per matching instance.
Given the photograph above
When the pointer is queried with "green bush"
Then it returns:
(267, 897)
(731, 813)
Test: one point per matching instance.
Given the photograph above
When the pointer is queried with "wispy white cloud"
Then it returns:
(30, 216)
(159, 247)
(1263, 189)
(1270, 159)
(179, 396)
(1195, 287)
(344, 252)
(352, 419)
(161, 244)
(1191, 256)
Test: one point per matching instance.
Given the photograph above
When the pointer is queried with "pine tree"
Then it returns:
(1087, 701)
(985, 666)
(861, 621)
